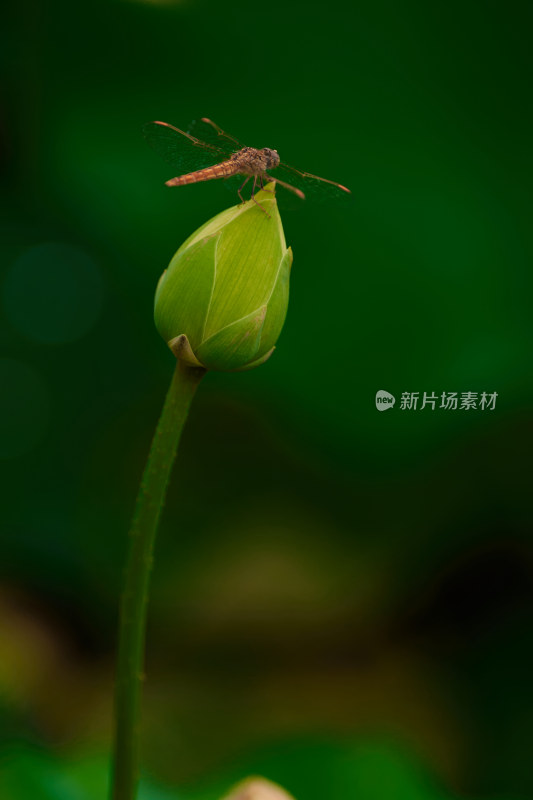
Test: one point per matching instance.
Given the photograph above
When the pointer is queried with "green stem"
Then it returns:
(137, 577)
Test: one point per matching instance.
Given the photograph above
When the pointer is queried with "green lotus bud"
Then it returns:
(221, 303)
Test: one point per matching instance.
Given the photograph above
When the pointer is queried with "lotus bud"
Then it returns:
(258, 788)
(222, 302)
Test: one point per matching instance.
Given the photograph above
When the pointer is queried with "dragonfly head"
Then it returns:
(271, 157)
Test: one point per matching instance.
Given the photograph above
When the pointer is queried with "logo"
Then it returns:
(449, 401)
(384, 400)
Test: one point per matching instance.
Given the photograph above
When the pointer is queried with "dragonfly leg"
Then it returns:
(296, 191)
(270, 191)
(242, 187)
(255, 201)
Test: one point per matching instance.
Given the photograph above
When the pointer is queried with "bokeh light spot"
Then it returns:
(53, 293)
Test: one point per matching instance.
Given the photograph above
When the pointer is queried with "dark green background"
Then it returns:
(342, 599)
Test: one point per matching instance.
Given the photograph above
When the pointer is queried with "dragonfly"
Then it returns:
(206, 152)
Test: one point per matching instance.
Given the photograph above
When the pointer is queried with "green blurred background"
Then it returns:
(342, 599)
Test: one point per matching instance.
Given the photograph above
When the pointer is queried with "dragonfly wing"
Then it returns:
(311, 185)
(208, 131)
(181, 150)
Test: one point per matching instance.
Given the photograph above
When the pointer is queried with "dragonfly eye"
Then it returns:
(272, 156)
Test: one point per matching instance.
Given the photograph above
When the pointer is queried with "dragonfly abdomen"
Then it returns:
(222, 170)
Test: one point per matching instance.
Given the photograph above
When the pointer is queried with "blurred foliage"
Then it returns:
(372, 769)
(323, 571)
